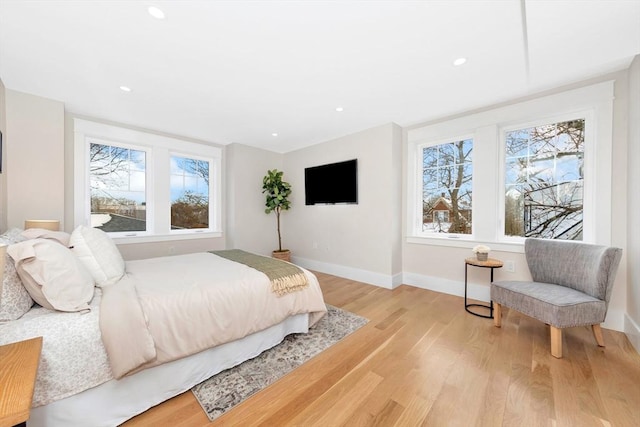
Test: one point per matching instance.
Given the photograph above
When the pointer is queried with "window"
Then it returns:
(447, 173)
(537, 168)
(442, 216)
(117, 177)
(189, 193)
(138, 187)
(544, 181)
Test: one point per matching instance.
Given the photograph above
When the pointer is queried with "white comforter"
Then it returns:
(73, 357)
(170, 307)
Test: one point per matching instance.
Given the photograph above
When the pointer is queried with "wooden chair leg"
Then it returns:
(597, 332)
(556, 342)
(497, 314)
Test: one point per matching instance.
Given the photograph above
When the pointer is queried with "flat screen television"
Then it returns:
(332, 183)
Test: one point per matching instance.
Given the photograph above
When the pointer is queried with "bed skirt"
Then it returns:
(116, 401)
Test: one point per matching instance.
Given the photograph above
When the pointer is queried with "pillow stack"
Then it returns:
(54, 277)
(55, 269)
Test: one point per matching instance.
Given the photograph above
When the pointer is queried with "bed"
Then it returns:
(89, 375)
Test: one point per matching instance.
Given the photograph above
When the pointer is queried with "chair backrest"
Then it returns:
(585, 267)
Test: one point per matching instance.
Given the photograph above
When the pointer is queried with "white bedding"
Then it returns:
(74, 359)
(115, 401)
(170, 307)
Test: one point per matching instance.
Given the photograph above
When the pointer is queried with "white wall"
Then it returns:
(3, 153)
(35, 150)
(441, 268)
(248, 227)
(131, 251)
(632, 320)
(397, 140)
(619, 185)
(359, 241)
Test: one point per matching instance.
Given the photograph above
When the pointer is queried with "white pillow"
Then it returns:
(98, 253)
(15, 301)
(53, 276)
(41, 233)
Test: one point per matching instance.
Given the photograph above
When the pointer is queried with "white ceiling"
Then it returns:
(238, 71)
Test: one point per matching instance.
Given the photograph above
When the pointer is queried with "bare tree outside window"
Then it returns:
(544, 181)
(447, 172)
(189, 193)
(117, 184)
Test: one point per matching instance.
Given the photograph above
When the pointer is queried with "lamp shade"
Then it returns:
(47, 224)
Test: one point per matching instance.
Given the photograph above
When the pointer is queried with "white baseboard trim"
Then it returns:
(438, 284)
(616, 320)
(632, 331)
(446, 286)
(396, 280)
(378, 279)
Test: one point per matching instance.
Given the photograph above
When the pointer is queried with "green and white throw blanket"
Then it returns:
(284, 277)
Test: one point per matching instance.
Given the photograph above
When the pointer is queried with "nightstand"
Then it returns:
(18, 368)
(489, 263)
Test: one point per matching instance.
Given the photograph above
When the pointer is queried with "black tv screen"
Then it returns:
(332, 183)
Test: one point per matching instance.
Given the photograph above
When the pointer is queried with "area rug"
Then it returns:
(225, 390)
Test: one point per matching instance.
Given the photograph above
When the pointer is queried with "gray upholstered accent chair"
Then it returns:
(571, 287)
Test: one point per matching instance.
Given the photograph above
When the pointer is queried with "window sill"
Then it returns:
(166, 237)
(468, 243)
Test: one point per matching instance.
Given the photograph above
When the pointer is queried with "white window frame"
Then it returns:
(157, 188)
(594, 103)
(418, 187)
(212, 190)
(589, 169)
(148, 188)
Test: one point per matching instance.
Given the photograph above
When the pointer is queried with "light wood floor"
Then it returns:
(422, 360)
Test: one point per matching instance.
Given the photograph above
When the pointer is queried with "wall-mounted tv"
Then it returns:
(332, 183)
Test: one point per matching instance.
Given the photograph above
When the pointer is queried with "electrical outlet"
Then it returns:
(510, 266)
(315, 245)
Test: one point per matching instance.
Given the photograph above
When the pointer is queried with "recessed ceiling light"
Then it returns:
(339, 109)
(155, 12)
(274, 134)
(125, 88)
(459, 61)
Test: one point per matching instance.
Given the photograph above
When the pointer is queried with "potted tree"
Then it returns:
(277, 194)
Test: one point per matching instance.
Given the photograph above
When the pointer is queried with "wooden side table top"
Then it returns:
(490, 262)
(18, 368)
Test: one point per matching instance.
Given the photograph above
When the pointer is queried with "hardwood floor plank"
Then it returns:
(414, 414)
(316, 377)
(615, 372)
(389, 414)
(467, 379)
(526, 404)
(423, 360)
(400, 349)
(337, 408)
(391, 318)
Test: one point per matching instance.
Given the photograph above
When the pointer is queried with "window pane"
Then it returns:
(447, 172)
(189, 193)
(544, 183)
(117, 180)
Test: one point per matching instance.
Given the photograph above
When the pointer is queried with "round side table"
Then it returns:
(490, 263)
